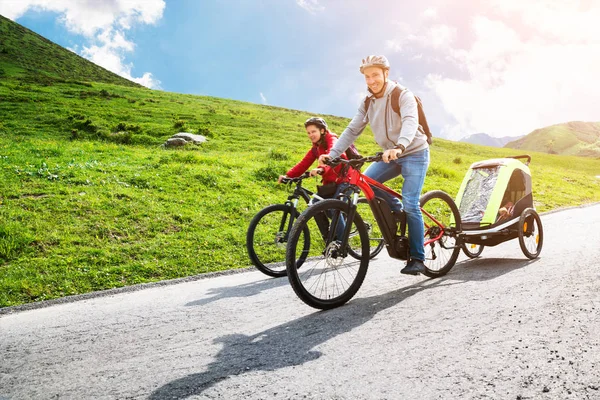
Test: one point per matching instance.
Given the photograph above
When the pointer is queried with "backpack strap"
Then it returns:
(367, 103)
(396, 92)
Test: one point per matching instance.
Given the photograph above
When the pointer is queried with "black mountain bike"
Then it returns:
(269, 230)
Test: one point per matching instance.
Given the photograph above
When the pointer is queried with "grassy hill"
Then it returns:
(571, 138)
(89, 200)
(35, 59)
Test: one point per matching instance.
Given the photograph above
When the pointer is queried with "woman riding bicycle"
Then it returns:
(322, 142)
(406, 150)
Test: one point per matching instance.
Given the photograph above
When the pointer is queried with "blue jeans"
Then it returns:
(413, 169)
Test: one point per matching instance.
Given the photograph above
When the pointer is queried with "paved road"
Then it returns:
(499, 327)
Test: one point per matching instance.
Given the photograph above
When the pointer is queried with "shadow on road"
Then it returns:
(246, 290)
(291, 344)
(285, 345)
(484, 269)
(468, 270)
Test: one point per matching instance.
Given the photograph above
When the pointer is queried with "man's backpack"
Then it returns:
(396, 107)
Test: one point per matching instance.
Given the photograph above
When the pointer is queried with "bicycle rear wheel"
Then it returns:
(442, 223)
(267, 237)
(327, 279)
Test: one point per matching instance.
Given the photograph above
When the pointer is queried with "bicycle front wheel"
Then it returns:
(442, 223)
(327, 279)
(267, 237)
(376, 241)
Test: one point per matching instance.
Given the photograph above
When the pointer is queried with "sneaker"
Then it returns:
(413, 267)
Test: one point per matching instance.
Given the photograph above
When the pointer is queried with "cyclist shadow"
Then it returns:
(240, 291)
(286, 345)
(483, 269)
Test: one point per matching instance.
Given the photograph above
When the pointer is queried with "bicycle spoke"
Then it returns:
(328, 278)
(441, 219)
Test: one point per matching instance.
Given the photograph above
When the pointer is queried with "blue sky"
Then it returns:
(497, 66)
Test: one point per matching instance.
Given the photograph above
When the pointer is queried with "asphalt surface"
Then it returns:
(498, 327)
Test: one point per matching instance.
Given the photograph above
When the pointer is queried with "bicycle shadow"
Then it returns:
(240, 291)
(469, 270)
(483, 269)
(286, 345)
(291, 344)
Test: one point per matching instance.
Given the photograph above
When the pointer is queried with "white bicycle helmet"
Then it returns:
(374, 61)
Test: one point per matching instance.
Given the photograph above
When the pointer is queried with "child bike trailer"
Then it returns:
(495, 202)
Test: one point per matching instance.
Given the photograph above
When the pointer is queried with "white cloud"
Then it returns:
(111, 54)
(312, 6)
(148, 80)
(430, 12)
(89, 16)
(517, 78)
(393, 45)
(103, 23)
(263, 98)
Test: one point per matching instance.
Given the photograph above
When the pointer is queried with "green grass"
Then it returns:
(571, 138)
(89, 200)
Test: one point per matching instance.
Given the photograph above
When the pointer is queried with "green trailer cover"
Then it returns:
(483, 188)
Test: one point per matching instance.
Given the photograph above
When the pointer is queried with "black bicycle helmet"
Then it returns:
(319, 122)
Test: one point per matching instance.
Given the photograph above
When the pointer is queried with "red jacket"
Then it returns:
(329, 174)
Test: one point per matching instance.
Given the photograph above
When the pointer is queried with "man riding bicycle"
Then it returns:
(405, 149)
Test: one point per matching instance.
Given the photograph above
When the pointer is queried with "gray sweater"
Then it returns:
(405, 130)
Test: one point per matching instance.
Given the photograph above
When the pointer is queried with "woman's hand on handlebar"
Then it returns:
(316, 171)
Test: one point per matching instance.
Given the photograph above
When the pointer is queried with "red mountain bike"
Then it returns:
(329, 278)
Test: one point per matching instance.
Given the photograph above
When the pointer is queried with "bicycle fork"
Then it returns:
(336, 219)
(291, 203)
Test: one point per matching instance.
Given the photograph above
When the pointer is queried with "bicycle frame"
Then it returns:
(292, 201)
(380, 209)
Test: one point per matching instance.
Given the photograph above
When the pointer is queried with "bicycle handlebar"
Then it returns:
(527, 156)
(356, 162)
(297, 179)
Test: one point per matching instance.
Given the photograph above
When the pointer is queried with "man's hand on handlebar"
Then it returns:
(281, 178)
(323, 158)
(391, 155)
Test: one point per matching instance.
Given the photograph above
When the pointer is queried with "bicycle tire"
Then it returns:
(442, 207)
(336, 282)
(531, 248)
(469, 253)
(376, 241)
(270, 259)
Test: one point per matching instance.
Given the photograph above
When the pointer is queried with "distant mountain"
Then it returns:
(35, 59)
(486, 140)
(571, 138)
